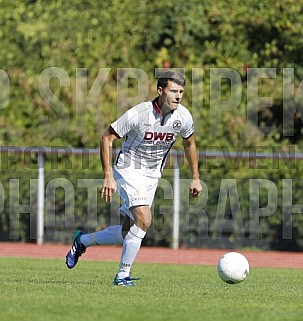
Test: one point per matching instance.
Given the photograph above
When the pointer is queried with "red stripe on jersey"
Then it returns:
(156, 106)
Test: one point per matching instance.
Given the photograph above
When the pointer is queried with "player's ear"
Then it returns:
(160, 91)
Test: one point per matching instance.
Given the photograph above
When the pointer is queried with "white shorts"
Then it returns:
(135, 189)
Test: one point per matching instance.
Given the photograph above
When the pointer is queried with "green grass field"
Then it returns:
(44, 289)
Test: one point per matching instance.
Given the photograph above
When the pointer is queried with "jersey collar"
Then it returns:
(156, 106)
(158, 109)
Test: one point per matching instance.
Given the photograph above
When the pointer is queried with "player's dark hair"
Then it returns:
(167, 76)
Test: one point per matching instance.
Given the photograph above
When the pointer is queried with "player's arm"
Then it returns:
(190, 149)
(106, 147)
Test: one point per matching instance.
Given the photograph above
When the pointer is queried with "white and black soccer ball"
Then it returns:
(233, 267)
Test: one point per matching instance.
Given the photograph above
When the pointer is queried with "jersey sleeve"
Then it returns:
(189, 127)
(127, 122)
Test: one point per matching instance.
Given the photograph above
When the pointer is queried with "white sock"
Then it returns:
(110, 235)
(131, 246)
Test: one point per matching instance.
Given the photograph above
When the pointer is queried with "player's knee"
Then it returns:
(143, 223)
(143, 217)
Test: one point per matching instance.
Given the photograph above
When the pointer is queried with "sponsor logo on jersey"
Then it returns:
(158, 138)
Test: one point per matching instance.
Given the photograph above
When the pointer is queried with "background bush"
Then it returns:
(37, 35)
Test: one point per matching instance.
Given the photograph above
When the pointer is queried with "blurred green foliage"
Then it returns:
(66, 63)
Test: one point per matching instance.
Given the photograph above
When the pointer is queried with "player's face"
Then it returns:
(170, 96)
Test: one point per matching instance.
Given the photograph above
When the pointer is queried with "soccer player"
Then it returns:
(150, 129)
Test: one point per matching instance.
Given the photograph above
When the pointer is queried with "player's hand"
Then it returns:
(109, 187)
(195, 188)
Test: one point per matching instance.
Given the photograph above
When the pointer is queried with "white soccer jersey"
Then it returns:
(150, 136)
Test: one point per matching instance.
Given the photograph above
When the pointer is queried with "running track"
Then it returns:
(153, 255)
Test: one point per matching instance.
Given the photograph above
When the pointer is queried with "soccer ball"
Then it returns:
(233, 267)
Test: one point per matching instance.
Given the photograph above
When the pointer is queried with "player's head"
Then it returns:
(170, 89)
(167, 76)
